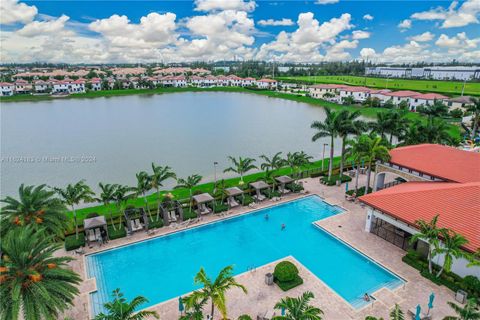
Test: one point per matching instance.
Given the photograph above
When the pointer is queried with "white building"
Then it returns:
(459, 103)
(398, 97)
(319, 91)
(96, 84)
(426, 99)
(6, 89)
(22, 87)
(267, 84)
(435, 73)
(247, 82)
(41, 86)
(359, 94)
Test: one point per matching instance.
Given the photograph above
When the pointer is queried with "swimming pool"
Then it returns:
(163, 268)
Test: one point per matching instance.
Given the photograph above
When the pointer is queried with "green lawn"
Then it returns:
(446, 87)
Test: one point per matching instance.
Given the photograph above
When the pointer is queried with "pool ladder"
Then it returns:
(251, 268)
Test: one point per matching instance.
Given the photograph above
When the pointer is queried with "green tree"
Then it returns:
(107, 196)
(328, 128)
(216, 290)
(435, 130)
(121, 309)
(144, 185)
(299, 308)
(474, 108)
(430, 233)
(189, 183)
(36, 207)
(398, 123)
(296, 160)
(35, 284)
(397, 313)
(373, 150)
(241, 166)
(349, 125)
(121, 196)
(411, 134)
(357, 149)
(73, 194)
(451, 247)
(159, 176)
(437, 109)
(270, 165)
(194, 304)
(382, 125)
(469, 312)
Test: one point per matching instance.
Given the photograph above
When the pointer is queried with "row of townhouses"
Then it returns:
(81, 85)
(338, 93)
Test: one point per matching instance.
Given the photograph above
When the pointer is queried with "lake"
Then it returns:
(110, 139)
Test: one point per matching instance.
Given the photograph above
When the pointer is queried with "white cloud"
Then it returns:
(326, 1)
(405, 24)
(337, 51)
(456, 42)
(368, 17)
(12, 11)
(214, 5)
(452, 17)
(367, 53)
(271, 22)
(37, 28)
(424, 37)
(360, 34)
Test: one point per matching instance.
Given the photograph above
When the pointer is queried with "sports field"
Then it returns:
(451, 88)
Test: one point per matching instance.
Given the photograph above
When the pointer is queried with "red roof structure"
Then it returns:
(457, 204)
(402, 93)
(431, 96)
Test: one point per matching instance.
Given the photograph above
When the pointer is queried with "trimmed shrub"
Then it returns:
(152, 224)
(244, 317)
(471, 284)
(294, 187)
(189, 214)
(287, 285)
(285, 271)
(270, 194)
(72, 243)
(219, 207)
(360, 191)
(247, 200)
(333, 179)
(116, 234)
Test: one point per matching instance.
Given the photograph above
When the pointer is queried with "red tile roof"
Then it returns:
(329, 86)
(355, 89)
(431, 96)
(267, 80)
(444, 162)
(403, 93)
(457, 204)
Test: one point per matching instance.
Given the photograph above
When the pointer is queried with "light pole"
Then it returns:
(323, 154)
(215, 163)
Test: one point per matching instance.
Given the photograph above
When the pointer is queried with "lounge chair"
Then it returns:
(232, 203)
(204, 209)
(259, 197)
(98, 235)
(91, 235)
(173, 217)
(352, 197)
(136, 225)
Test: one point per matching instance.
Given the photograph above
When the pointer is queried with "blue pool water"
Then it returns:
(164, 267)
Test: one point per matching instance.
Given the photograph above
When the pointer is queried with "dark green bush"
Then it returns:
(360, 191)
(152, 224)
(244, 317)
(271, 193)
(287, 285)
(219, 207)
(91, 215)
(248, 199)
(471, 284)
(116, 234)
(72, 243)
(294, 187)
(333, 179)
(189, 214)
(285, 271)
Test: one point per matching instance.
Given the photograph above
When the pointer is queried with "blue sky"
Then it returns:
(174, 31)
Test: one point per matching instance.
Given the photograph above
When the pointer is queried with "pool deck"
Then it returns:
(348, 226)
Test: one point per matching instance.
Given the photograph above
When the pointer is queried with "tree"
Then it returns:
(37, 208)
(435, 130)
(189, 183)
(241, 166)
(398, 123)
(397, 313)
(121, 196)
(469, 312)
(452, 243)
(272, 164)
(437, 109)
(357, 148)
(428, 232)
(107, 196)
(296, 160)
(299, 308)
(35, 284)
(194, 304)
(373, 150)
(328, 128)
(160, 174)
(121, 309)
(474, 108)
(349, 124)
(216, 290)
(382, 125)
(411, 135)
(72, 195)
(143, 186)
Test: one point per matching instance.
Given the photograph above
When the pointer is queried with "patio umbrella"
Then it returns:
(430, 302)
(346, 186)
(180, 305)
(417, 313)
(283, 311)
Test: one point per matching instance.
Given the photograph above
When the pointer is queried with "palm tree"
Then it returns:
(35, 284)
(469, 312)
(299, 308)
(411, 134)
(398, 123)
(452, 243)
(194, 304)
(349, 124)
(241, 166)
(217, 289)
(272, 164)
(328, 128)
(382, 125)
(35, 207)
(435, 130)
(475, 110)
(107, 196)
(356, 150)
(374, 149)
(160, 174)
(397, 313)
(73, 195)
(189, 183)
(438, 109)
(428, 232)
(143, 186)
(121, 309)
(296, 160)
(121, 196)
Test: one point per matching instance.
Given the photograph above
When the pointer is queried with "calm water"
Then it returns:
(111, 139)
(163, 268)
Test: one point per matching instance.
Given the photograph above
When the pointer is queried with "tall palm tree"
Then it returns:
(35, 284)
(296, 160)
(435, 130)
(475, 110)
(349, 124)
(216, 290)
(121, 196)
(121, 309)
(430, 233)
(241, 166)
(194, 304)
(398, 123)
(36, 207)
(270, 165)
(356, 150)
(189, 183)
(144, 185)
(452, 243)
(160, 174)
(107, 196)
(328, 128)
(299, 308)
(411, 134)
(469, 312)
(73, 194)
(374, 149)
(382, 125)
(397, 313)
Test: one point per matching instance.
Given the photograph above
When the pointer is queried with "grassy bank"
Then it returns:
(445, 87)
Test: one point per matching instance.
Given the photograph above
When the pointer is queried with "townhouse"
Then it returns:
(96, 84)
(22, 87)
(359, 94)
(462, 103)
(426, 99)
(325, 91)
(267, 83)
(6, 89)
(41, 86)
